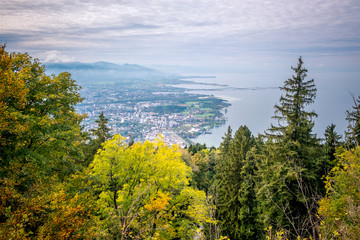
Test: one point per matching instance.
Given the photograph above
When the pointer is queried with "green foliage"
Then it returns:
(144, 191)
(340, 209)
(40, 148)
(298, 94)
(194, 148)
(204, 175)
(202, 164)
(48, 210)
(38, 121)
(102, 132)
(332, 141)
(167, 109)
(225, 144)
(353, 117)
(152, 191)
(235, 186)
(97, 138)
(289, 167)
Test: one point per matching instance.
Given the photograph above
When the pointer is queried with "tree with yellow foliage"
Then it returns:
(144, 193)
(340, 209)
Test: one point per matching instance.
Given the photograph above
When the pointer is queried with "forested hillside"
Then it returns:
(60, 182)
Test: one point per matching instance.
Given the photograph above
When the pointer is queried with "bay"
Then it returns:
(253, 97)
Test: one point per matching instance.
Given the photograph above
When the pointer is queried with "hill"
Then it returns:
(105, 72)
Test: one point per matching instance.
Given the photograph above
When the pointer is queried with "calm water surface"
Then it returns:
(254, 107)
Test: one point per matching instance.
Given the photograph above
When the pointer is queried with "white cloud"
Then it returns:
(178, 16)
(55, 56)
(180, 29)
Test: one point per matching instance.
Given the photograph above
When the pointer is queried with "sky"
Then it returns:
(257, 39)
(203, 35)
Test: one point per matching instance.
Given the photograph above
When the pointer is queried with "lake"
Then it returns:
(253, 97)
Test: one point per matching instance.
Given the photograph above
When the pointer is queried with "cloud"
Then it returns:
(55, 56)
(180, 29)
(179, 16)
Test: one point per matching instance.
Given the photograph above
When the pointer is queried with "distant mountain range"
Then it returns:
(99, 66)
(105, 72)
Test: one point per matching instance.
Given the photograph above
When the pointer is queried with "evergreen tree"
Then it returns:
(332, 141)
(102, 132)
(298, 94)
(290, 168)
(221, 170)
(353, 117)
(195, 148)
(99, 136)
(225, 144)
(221, 166)
(202, 164)
(236, 205)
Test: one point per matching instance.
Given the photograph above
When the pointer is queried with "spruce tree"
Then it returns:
(290, 168)
(236, 205)
(353, 131)
(332, 141)
(298, 122)
(218, 189)
(102, 133)
(225, 144)
(221, 164)
(99, 136)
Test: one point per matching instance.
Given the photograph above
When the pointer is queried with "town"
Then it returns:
(142, 114)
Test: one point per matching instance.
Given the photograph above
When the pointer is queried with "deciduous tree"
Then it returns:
(340, 209)
(38, 124)
(144, 191)
(40, 137)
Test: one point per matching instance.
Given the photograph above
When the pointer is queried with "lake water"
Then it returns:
(253, 97)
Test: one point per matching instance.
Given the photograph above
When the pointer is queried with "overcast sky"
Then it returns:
(220, 34)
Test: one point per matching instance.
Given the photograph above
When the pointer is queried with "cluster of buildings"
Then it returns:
(135, 116)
